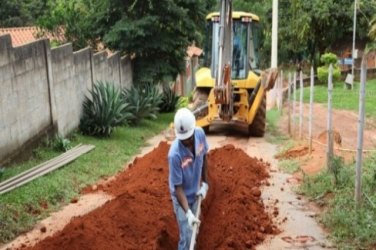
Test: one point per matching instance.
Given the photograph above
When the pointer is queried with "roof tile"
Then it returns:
(23, 35)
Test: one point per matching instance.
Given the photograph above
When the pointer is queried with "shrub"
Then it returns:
(323, 71)
(143, 102)
(169, 100)
(329, 58)
(103, 110)
(183, 102)
(61, 143)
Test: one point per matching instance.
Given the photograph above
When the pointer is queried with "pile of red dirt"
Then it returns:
(337, 138)
(294, 153)
(141, 215)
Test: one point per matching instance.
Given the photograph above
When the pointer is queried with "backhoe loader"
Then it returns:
(230, 87)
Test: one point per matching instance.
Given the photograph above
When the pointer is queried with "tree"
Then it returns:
(372, 31)
(157, 33)
(263, 9)
(311, 27)
(372, 35)
(16, 13)
(74, 21)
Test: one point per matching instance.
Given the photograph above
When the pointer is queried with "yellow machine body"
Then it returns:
(245, 113)
(248, 82)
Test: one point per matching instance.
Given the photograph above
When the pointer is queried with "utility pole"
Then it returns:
(353, 47)
(274, 60)
(359, 151)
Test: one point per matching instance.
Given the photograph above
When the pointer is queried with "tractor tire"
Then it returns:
(200, 97)
(257, 127)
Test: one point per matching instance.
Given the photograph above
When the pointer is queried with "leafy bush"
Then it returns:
(103, 111)
(169, 100)
(61, 144)
(329, 58)
(323, 71)
(183, 102)
(143, 102)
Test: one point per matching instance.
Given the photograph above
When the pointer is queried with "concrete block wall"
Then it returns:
(113, 72)
(83, 74)
(66, 91)
(24, 94)
(126, 72)
(43, 88)
(99, 66)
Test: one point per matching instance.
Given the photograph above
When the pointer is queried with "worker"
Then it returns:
(188, 173)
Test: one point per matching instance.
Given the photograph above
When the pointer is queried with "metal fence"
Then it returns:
(301, 128)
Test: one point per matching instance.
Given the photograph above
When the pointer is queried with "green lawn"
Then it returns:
(21, 208)
(345, 99)
(350, 227)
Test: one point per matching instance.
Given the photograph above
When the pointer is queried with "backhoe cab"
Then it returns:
(230, 87)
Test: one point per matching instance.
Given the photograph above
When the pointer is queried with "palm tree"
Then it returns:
(372, 35)
(372, 31)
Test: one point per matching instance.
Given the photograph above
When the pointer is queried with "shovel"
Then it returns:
(196, 225)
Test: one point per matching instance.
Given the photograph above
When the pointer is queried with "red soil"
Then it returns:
(141, 215)
(294, 153)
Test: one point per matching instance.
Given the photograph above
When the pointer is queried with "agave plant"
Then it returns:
(155, 98)
(143, 102)
(103, 111)
(169, 100)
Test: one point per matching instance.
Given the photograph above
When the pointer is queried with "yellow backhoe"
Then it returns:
(230, 87)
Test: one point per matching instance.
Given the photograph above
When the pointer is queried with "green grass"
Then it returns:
(350, 228)
(346, 99)
(273, 134)
(21, 208)
(289, 166)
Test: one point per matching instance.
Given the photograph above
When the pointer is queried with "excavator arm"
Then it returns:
(223, 87)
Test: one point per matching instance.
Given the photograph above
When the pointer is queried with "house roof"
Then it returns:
(194, 51)
(23, 35)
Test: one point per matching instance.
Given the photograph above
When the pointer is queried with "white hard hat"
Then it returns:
(184, 123)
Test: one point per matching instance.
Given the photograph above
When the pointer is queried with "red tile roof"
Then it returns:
(194, 51)
(23, 35)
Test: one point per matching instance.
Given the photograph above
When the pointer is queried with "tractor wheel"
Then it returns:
(257, 127)
(200, 97)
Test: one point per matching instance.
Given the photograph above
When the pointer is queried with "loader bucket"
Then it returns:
(268, 78)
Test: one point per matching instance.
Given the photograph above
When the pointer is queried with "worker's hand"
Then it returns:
(191, 218)
(203, 190)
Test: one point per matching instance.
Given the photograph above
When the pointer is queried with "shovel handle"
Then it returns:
(196, 225)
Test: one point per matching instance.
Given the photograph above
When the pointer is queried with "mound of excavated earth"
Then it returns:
(141, 215)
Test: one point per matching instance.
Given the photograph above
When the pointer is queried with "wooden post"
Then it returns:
(276, 88)
(301, 106)
(281, 93)
(293, 105)
(329, 151)
(311, 110)
(289, 105)
(359, 151)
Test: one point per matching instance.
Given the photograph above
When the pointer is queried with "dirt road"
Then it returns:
(136, 213)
